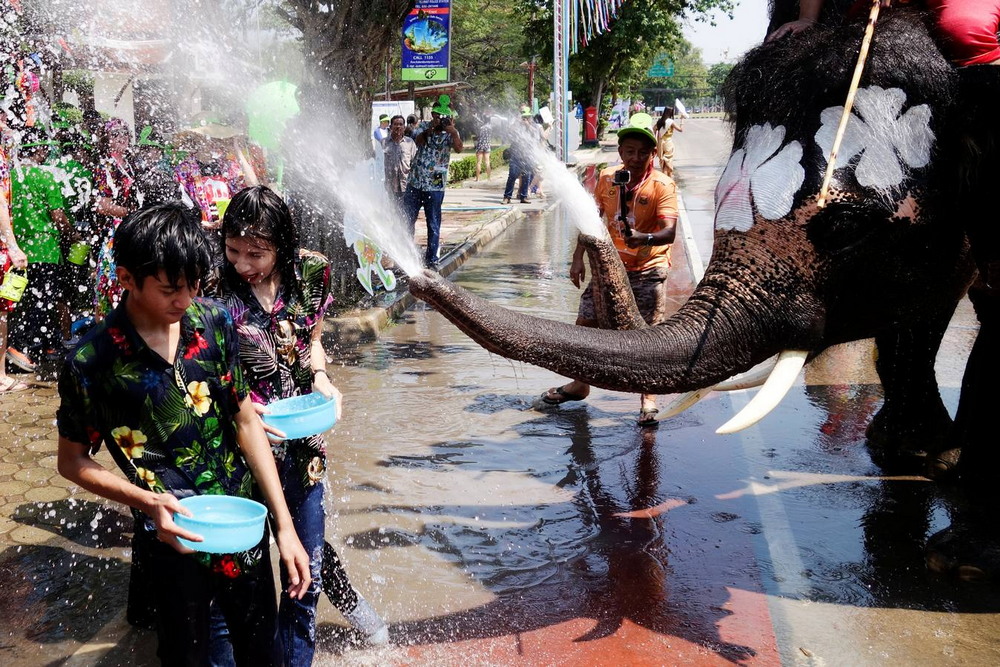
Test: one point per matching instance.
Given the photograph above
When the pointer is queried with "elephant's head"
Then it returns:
(786, 273)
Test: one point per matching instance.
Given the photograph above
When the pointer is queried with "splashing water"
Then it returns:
(576, 205)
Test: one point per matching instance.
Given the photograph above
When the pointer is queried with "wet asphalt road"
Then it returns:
(490, 533)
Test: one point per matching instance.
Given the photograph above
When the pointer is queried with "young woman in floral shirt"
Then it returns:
(277, 295)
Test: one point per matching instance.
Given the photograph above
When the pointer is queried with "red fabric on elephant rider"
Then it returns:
(966, 29)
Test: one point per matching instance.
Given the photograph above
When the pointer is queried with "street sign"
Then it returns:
(662, 68)
(426, 41)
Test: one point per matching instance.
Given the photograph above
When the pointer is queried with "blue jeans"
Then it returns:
(297, 618)
(431, 201)
(522, 170)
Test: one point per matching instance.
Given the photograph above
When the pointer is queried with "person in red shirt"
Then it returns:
(652, 217)
(966, 29)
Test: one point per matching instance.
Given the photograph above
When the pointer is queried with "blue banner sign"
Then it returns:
(426, 41)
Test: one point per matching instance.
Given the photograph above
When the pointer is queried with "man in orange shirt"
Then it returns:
(652, 218)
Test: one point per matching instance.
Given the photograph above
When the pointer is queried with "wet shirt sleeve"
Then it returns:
(73, 415)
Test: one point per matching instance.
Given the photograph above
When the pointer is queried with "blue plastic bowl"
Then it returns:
(229, 524)
(302, 416)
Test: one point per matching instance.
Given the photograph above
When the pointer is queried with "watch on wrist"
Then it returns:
(649, 239)
(317, 371)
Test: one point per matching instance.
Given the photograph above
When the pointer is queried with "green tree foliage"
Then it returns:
(617, 61)
(717, 74)
(489, 48)
(346, 42)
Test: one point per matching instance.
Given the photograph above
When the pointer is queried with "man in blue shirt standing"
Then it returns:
(429, 175)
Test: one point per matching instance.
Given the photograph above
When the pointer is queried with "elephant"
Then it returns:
(888, 256)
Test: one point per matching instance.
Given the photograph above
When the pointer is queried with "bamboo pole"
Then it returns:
(849, 104)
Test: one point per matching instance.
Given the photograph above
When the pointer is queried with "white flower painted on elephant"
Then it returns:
(886, 138)
(759, 175)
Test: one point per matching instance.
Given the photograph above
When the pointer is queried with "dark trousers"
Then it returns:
(431, 201)
(184, 592)
(517, 169)
(35, 325)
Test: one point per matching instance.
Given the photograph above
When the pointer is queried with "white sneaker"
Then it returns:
(366, 621)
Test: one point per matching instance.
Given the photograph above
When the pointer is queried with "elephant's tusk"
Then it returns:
(790, 362)
(752, 378)
(684, 401)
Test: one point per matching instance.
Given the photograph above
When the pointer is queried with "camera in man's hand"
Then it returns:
(445, 121)
(622, 177)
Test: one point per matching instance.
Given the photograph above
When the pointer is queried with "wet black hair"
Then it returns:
(165, 237)
(411, 119)
(393, 119)
(259, 213)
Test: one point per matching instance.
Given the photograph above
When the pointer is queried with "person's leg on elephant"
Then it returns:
(967, 30)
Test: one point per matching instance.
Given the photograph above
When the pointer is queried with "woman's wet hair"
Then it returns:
(259, 214)
(165, 237)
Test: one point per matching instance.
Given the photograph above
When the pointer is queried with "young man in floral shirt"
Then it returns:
(159, 382)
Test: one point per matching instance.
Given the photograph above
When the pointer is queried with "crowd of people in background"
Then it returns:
(67, 187)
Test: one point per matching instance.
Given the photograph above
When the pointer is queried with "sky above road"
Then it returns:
(729, 38)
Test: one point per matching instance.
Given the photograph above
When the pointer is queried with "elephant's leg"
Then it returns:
(970, 547)
(912, 422)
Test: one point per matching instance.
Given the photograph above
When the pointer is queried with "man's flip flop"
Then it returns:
(647, 417)
(9, 384)
(564, 397)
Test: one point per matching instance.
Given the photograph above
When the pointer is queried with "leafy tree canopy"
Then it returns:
(618, 59)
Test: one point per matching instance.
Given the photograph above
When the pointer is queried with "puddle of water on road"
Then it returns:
(477, 516)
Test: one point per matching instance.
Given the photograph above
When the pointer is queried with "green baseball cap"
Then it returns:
(640, 124)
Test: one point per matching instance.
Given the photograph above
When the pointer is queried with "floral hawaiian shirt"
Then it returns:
(169, 427)
(275, 347)
(429, 168)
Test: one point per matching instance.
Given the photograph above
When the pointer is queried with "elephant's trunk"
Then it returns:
(614, 302)
(717, 333)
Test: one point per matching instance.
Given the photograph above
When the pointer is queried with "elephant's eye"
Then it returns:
(842, 224)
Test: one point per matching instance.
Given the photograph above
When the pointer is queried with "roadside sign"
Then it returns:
(426, 41)
(662, 68)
